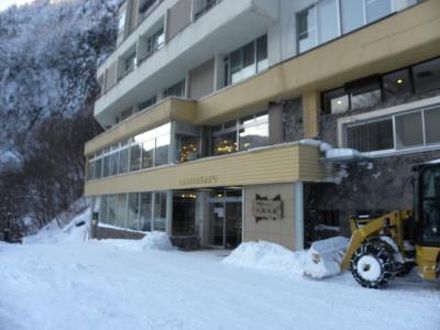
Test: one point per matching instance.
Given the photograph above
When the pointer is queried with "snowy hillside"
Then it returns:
(49, 52)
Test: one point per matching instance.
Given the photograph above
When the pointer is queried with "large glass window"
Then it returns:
(336, 101)
(254, 132)
(409, 130)
(246, 61)
(225, 142)
(148, 153)
(187, 147)
(365, 94)
(427, 76)
(397, 85)
(417, 128)
(124, 160)
(371, 136)
(160, 211)
(307, 32)
(133, 211)
(114, 163)
(146, 206)
(324, 21)
(147, 103)
(106, 166)
(135, 157)
(121, 210)
(352, 12)
(328, 27)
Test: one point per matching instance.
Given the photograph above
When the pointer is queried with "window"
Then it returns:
(254, 132)
(352, 12)
(160, 211)
(114, 163)
(135, 157)
(377, 9)
(148, 154)
(122, 18)
(129, 63)
(124, 160)
(146, 206)
(243, 134)
(203, 6)
(409, 131)
(412, 129)
(145, 5)
(397, 85)
(246, 61)
(328, 19)
(336, 101)
(371, 136)
(328, 27)
(147, 103)
(155, 42)
(427, 76)
(133, 211)
(365, 93)
(177, 90)
(262, 55)
(162, 147)
(432, 125)
(187, 147)
(306, 26)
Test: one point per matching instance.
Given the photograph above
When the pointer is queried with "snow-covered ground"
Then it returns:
(117, 284)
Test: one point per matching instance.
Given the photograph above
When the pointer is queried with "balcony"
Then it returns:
(273, 164)
(217, 31)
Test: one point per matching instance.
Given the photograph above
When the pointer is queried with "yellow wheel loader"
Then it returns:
(392, 244)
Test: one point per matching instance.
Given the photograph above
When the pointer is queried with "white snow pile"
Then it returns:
(75, 231)
(320, 261)
(267, 256)
(156, 240)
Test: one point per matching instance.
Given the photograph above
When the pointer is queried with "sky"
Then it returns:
(4, 4)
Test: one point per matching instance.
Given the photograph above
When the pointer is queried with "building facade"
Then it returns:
(210, 108)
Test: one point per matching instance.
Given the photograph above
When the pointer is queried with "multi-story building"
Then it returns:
(209, 108)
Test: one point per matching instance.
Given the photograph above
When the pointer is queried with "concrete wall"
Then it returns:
(278, 231)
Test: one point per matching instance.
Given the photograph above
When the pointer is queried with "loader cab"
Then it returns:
(428, 205)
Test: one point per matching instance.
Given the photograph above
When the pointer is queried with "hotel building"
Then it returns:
(210, 107)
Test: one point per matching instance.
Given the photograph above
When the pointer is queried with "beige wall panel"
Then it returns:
(161, 113)
(179, 16)
(408, 37)
(201, 80)
(276, 164)
(278, 231)
(311, 111)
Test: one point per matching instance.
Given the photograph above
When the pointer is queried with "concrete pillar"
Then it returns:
(311, 110)
(298, 188)
(169, 225)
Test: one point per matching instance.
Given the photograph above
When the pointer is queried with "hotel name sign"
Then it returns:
(267, 209)
(199, 180)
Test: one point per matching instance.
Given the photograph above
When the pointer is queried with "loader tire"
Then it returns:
(373, 264)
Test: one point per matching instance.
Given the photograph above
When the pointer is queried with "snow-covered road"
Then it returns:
(117, 285)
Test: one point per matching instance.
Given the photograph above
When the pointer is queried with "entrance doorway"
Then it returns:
(225, 225)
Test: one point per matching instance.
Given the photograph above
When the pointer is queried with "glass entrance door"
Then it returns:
(225, 218)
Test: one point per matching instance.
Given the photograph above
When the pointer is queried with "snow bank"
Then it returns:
(267, 256)
(75, 231)
(156, 240)
(322, 260)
